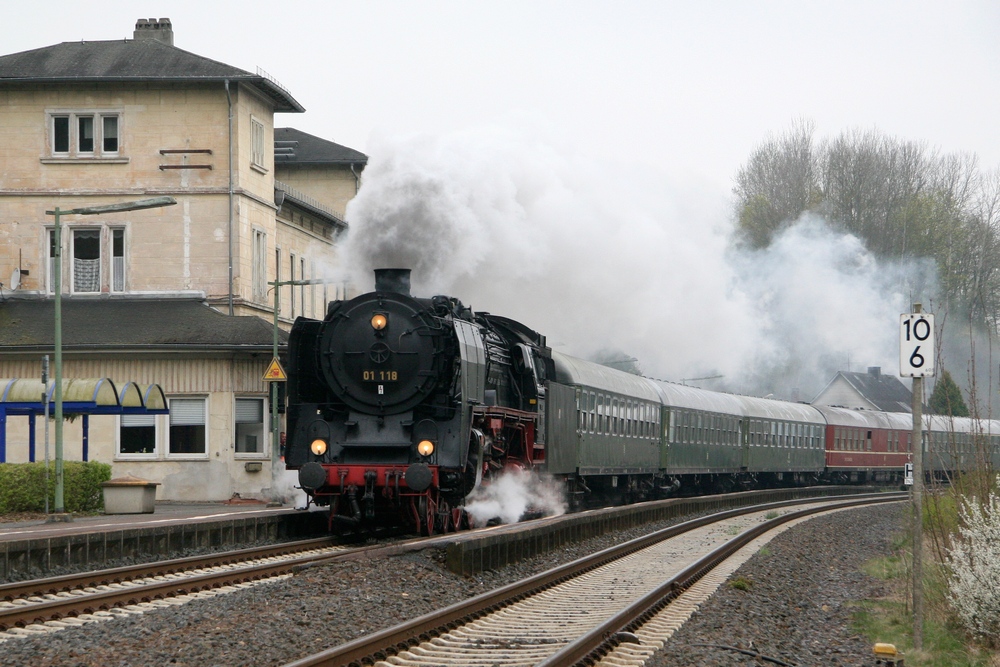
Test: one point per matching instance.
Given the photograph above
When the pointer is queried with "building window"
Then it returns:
(86, 260)
(259, 266)
(291, 288)
(50, 276)
(187, 426)
(257, 143)
(85, 134)
(249, 425)
(117, 260)
(302, 288)
(137, 435)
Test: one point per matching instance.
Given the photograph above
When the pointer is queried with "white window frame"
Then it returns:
(73, 118)
(265, 429)
(113, 270)
(291, 288)
(72, 258)
(137, 456)
(259, 272)
(257, 145)
(196, 456)
(50, 260)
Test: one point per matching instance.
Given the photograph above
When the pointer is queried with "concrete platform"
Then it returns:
(39, 548)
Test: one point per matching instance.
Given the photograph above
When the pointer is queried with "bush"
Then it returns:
(975, 569)
(22, 486)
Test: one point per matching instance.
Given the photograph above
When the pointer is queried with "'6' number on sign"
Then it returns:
(916, 344)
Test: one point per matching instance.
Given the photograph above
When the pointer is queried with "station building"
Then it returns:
(175, 295)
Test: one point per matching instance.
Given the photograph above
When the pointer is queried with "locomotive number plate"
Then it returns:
(380, 376)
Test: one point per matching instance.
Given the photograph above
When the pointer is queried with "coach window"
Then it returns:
(187, 427)
(593, 411)
(137, 436)
(600, 413)
(250, 426)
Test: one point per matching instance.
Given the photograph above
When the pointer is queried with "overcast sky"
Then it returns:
(687, 88)
(570, 164)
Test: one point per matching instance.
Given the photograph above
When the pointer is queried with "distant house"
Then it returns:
(866, 391)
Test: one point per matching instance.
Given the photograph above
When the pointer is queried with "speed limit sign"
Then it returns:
(916, 345)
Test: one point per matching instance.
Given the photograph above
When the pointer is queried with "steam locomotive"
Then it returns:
(401, 407)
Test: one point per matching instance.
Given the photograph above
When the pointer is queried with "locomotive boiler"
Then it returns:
(401, 406)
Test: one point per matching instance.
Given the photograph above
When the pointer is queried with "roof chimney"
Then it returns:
(875, 371)
(159, 30)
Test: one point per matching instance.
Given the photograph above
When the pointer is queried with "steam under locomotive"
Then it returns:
(401, 406)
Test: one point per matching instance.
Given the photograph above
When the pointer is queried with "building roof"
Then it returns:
(131, 60)
(28, 325)
(885, 392)
(295, 147)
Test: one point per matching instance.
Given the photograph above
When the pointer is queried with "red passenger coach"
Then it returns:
(866, 445)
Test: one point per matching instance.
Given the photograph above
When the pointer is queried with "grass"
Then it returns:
(889, 620)
(741, 583)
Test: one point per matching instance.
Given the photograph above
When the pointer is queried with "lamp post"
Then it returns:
(156, 202)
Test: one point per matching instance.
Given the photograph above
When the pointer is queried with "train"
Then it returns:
(401, 407)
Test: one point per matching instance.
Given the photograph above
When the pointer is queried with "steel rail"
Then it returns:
(69, 582)
(591, 647)
(381, 644)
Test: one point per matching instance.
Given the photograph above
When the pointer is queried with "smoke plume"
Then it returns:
(609, 256)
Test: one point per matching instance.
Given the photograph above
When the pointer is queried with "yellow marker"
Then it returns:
(274, 372)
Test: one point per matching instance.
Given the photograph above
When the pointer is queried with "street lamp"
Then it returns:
(155, 202)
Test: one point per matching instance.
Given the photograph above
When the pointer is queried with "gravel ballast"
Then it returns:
(797, 608)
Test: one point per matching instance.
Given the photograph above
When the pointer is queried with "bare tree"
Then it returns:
(777, 184)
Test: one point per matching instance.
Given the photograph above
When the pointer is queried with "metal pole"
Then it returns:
(45, 402)
(917, 447)
(275, 445)
(60, 505)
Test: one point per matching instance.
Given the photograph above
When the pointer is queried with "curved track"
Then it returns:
(581, 611)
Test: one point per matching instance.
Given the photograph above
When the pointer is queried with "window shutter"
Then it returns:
(249, 411)
(187, 411)
(138, 420)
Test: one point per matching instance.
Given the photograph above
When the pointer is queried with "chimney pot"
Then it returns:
(875, 371)
(159, 30)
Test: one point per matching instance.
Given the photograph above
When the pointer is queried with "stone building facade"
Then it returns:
(177, 295)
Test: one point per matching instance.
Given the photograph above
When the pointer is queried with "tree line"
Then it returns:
(902, 199)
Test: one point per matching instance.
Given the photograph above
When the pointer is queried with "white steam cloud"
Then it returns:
(513, 493)
(604, 256)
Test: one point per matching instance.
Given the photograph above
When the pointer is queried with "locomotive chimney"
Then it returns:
(392, 280)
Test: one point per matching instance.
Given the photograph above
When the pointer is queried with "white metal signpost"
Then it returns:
(916, 360)
(916, 345)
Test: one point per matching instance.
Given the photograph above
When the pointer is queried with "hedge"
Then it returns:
(22, 486)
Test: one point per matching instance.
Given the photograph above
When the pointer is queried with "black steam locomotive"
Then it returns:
(402, 405)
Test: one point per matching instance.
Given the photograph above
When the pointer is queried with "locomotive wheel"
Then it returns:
(426, 509)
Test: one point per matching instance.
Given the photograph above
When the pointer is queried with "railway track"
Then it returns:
(82, 596)
(618, 601)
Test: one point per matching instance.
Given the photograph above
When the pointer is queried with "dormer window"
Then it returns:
(85, 134)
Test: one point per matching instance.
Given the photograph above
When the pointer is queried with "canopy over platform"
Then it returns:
(86, 396)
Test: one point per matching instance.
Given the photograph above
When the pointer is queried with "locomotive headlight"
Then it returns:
(379, 322)
(425, 448)
(318, 447)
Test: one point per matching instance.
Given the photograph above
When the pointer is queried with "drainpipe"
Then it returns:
(357, 179)
(229, 100)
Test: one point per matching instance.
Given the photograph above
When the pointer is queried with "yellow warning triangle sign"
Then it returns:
(274, 372)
